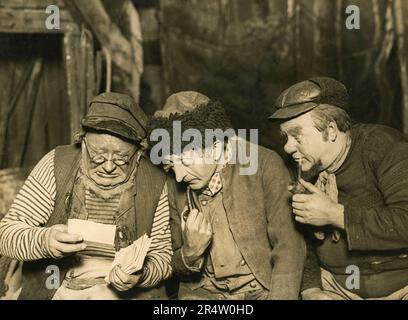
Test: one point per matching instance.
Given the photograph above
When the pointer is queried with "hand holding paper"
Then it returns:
(122, 281)
(129, 261)
(61, 243)
(98, 237)
(132, 257)
(100, 241)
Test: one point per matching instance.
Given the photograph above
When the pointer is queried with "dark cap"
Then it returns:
(307, 95)
(116, 113)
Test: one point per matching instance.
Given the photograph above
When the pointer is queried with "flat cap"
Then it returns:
(116, 113)
(182, 102)
(307, 95)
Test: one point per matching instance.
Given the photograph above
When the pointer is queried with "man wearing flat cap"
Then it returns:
(235, 238)
(105, 179)
(357, 208)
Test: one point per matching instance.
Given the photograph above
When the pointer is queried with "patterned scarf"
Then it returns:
(326, 182)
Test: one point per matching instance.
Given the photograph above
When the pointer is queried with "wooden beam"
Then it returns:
(30, 21)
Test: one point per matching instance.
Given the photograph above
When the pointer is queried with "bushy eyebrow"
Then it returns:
(294, 131)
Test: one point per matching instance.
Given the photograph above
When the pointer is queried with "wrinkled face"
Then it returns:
(108, 158)
(194, 167)
(305, 143)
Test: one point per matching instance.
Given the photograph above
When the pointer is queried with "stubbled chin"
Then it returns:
(312, 172)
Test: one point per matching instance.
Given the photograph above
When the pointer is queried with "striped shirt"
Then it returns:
(101, 210)
(23, 237)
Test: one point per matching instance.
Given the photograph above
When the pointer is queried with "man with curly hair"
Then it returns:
(236, 237)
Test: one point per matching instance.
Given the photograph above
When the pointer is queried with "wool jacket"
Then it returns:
(373, 187)
(261, 221)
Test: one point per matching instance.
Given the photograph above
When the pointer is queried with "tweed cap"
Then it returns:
(182, 102)
(193, 110)
(116, 113)
(307, 95)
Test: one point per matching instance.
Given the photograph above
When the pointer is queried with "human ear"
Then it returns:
(332, 131)
(218, 150)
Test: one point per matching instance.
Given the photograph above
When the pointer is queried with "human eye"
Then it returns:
(98, 159)
(120, 162)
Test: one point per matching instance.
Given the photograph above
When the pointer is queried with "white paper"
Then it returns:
(131, 258)
(93, 231)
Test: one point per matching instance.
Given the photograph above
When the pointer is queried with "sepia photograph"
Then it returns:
(203, 150)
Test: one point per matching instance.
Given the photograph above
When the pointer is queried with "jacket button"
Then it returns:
(253, 285)
(242, 263)
(204, 202)
(375, 262)
(403, 256)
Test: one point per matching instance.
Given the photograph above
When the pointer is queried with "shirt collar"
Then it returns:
(214, 186)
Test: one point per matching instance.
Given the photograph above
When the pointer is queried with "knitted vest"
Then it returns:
(150, 181)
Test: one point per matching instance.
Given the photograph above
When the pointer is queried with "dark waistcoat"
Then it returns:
(135, 218)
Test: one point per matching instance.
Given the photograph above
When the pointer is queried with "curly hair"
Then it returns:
(206, 116)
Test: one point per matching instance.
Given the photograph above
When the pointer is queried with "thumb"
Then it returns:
(309, 187)
(60, 228)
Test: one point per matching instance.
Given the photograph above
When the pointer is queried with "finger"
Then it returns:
(205, 227)
(192, 217)
(299, 213)
(298, 205)
(117, 282)
(199, 221)
(67, 237)
(310, 187)
(114, 279)
(111, 276)
(300, 197)
(209, 229)
(300, 219)
(12, 268)
(69, 248)
(60, 228)
(123, 277)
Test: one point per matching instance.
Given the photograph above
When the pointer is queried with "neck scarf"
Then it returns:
(326, 182)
